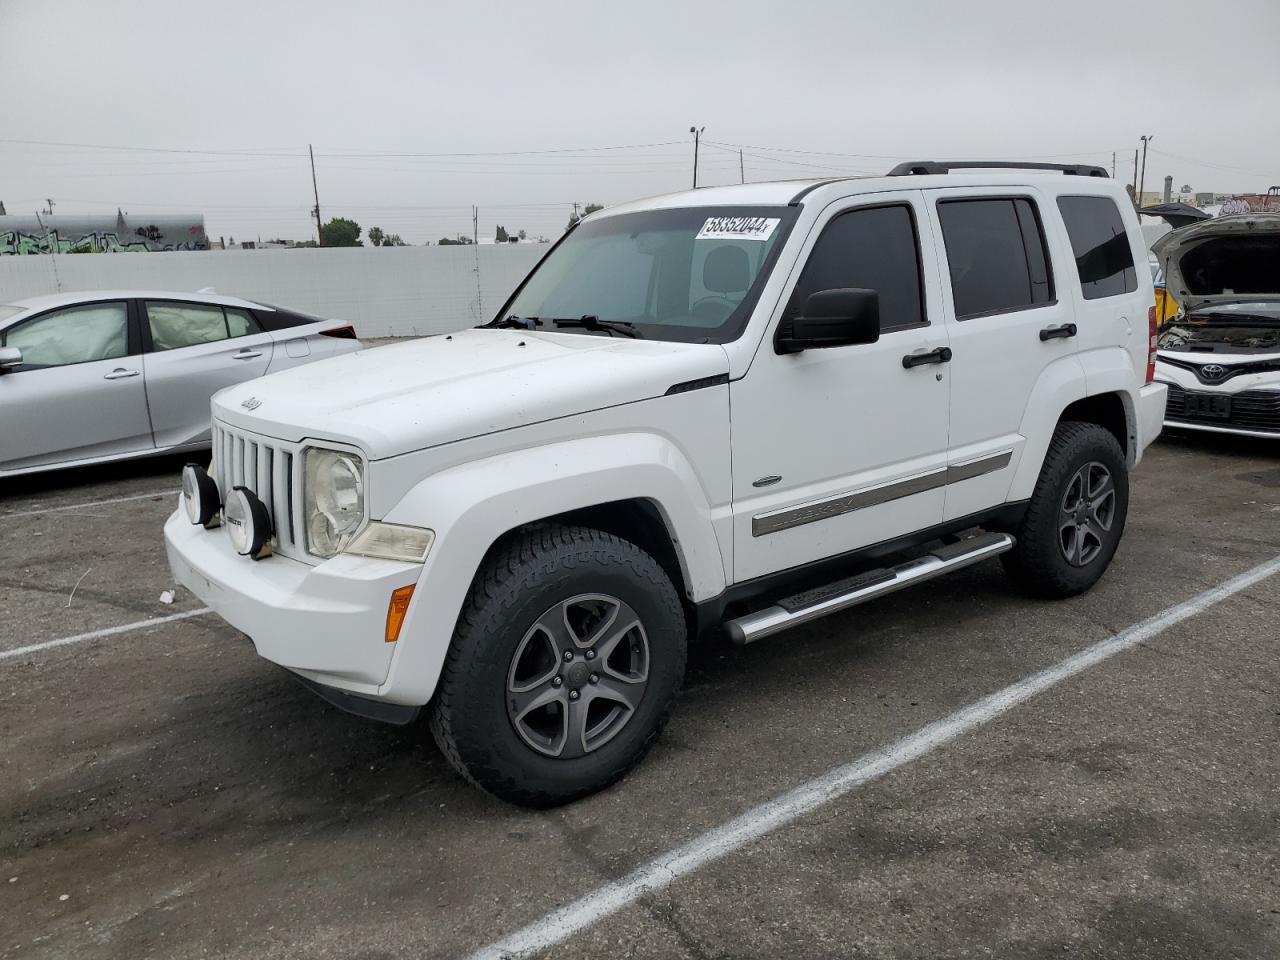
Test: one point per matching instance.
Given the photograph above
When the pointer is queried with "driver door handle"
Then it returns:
(1063, 332)
(246, 354)
(940, 355)
(120, 373)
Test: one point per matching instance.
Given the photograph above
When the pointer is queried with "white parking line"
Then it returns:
(98, 634)
(91, 503)
(782, 811)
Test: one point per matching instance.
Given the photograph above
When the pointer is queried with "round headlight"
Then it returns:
(333, 494)
(199, 495)
(248, 524)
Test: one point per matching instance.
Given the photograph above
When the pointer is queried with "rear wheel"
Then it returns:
(563, 666)
(1076, 515)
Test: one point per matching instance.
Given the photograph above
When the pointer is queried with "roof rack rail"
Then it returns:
(918, 168)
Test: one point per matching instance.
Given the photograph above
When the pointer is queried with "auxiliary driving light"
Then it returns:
(200, 495)
(248, 523)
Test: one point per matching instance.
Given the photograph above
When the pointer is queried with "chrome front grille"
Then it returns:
(270, 469)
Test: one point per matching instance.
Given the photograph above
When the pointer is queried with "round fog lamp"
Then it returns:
(248, 523)
(199, 494)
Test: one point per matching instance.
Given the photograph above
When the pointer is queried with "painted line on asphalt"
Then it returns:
(99, 634)
(790, 807)
(91, 503)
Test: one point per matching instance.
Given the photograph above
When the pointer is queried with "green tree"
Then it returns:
(461, 241)
(393, 240)
(501, 235)
(589, 209)
(340, 232)
(376, 236)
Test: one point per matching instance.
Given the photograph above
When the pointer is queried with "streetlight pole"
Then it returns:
(697, 135)
(1142, 178)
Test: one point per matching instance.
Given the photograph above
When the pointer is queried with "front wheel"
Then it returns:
(563, 666)
(1076, 515)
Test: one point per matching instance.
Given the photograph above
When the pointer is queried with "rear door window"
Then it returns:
(996, 255)
(874, 248)
(176, 325)
(1104, 259)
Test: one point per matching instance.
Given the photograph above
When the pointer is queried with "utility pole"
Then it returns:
(48, 210)
(697, 135)
(475, 225)
(319, 229)
(1113, 164)
(1135, 177)
(742, 176)
(1142, 178)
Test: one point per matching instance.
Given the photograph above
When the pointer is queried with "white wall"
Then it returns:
(385, 292)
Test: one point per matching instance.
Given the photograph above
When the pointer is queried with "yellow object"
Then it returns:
(396, 611)
(1166, 306)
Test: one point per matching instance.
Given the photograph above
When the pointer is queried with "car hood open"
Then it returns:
(404, 397)
(1231, 259)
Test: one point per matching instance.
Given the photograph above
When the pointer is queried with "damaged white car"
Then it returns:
(1220, 353)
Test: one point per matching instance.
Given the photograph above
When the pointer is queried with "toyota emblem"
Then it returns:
(1213, 371)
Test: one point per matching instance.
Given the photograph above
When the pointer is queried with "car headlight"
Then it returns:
(332, 499)
(391, 541)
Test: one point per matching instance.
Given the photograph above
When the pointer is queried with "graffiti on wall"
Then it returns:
(30, 238)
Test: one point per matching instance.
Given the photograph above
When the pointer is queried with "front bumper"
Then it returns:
(326, 622)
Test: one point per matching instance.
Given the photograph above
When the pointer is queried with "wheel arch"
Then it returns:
(638, 520)
(637, 486)
(1113, 411)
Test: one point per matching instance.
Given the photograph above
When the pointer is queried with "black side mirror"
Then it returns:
(832, 318)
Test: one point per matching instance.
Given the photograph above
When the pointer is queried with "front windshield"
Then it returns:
(690, 274)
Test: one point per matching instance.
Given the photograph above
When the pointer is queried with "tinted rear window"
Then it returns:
(1104, 260)
(996, 255)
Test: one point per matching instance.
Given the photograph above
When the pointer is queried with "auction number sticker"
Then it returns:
(738, 228)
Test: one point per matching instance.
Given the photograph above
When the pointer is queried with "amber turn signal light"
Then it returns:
(396, 610)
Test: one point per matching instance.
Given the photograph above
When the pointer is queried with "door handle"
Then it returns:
(246, 354)
(1063, 332)
(120, 373)
(940, 355)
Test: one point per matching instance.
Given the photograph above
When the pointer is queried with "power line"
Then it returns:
(338, 155)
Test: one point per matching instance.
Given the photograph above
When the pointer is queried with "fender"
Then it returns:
(473, 504)
(1111, 370)
(1061, 383)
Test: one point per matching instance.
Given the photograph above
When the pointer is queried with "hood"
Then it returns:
(1232, 259)
(404, 397)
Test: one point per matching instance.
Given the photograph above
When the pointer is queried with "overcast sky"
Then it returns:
(805, 87)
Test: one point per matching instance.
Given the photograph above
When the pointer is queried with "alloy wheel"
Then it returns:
(1087, 512)
(577, 677)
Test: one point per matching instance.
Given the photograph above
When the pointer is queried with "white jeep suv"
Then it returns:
(738, 408)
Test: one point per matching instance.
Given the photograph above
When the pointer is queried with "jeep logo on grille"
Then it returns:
(253, 403)
(1213, 371)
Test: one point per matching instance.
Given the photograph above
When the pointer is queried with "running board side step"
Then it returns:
(852, 591)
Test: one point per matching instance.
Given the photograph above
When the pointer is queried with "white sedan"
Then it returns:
(109, 375)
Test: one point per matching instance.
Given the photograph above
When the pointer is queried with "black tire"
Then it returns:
(519, 584)
(1040, 564)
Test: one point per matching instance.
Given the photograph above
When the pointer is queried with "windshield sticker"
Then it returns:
(738, 228)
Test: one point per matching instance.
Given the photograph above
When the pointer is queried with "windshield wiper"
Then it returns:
(524, 323)
(589, 322)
